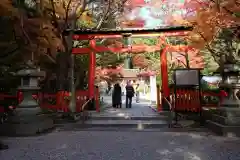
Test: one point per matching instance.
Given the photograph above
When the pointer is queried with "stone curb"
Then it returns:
(126, 118)
(123, 125)
(163, 129)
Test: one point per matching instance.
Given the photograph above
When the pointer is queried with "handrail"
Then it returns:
(83, 110)
(170, 119)
(85, 104)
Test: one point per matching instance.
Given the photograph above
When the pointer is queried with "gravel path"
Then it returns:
(120, 145)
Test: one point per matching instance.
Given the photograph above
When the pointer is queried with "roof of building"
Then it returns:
(129, 73)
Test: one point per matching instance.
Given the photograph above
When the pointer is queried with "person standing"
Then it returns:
(137, 92)
(129, 95)
(117, 96)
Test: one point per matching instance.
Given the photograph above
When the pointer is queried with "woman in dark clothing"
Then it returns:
(117, 96)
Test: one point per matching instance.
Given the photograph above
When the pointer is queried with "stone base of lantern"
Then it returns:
(225, 121)
(26, 125)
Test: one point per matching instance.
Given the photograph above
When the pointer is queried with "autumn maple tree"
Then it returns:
(216, 28)
(35, 28)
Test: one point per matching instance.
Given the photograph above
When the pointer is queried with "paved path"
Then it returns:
(137, 110)
(141, 109)
(108, 99)
(102, 145)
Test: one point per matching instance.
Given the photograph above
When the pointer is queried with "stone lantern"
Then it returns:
(231, 83)
(127, 43)
(226, 119)
(28, 119)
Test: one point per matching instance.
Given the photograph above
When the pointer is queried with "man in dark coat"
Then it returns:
(129, 94)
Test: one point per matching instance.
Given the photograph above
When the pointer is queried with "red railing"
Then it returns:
(187, 100)
(2, 96)
(61, 102)
(57, 102)
(54, 102)
(192, 100)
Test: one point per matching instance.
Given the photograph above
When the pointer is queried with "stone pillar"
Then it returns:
(153, 89)
(28, 119)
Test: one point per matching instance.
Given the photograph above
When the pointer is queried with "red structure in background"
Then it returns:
(93, 49)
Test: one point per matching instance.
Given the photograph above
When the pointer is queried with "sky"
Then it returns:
(156, 15)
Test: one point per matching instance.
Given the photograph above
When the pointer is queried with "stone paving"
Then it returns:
(116, 145)
(137, 110)
(141, 109)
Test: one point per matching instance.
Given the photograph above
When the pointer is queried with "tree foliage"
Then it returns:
(216, 28)
(33, 29)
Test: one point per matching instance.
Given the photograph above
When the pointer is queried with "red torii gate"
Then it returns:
(92, 35)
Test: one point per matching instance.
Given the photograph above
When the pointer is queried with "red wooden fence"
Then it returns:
(186, 100)
(183, 100)
(192, 100)
(50, 101)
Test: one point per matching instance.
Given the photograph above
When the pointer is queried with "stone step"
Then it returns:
(223, 130)
(139, 124)
(129, 129)
(228, 112)
(131, 125)
(208, 112)
(128, 117)
(229, 121)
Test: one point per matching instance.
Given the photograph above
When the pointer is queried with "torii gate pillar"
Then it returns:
(164, 75)
(91, 71)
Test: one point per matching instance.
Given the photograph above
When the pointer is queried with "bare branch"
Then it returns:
(54, 16)
(67, 11)
(180, 61)
(23, 30)
(104, 15)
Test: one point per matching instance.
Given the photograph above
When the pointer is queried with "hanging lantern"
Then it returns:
(128, 63)
(127, 41)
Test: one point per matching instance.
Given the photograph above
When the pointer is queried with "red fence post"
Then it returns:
(60, 100)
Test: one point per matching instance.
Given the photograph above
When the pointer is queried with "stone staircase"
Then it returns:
(225, 122)
(133, 122)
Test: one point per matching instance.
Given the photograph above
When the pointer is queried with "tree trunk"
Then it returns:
(62, 71)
